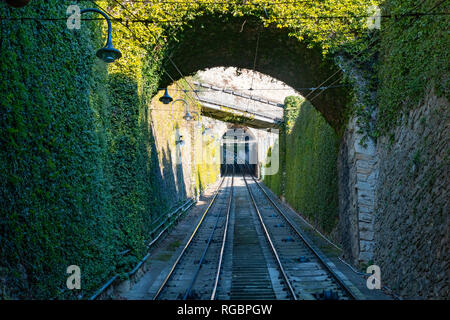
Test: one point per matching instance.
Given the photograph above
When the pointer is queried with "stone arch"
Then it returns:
(225, 41)
(214, 41)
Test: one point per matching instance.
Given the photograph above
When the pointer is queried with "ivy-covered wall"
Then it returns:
(186, 169)
(308, 164)
(414, 58)
(79, 170)
(53, 156)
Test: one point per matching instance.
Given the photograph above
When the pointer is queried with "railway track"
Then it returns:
(246, 247)
(254, 268)
(305, 271)
(195, 273)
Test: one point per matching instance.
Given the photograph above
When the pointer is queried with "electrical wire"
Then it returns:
(176, 67)
(136, 38)
(254, 65)
(146, 21)
(301, 17)
(265, 89)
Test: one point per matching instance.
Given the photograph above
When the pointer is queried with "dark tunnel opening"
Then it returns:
(239, 151)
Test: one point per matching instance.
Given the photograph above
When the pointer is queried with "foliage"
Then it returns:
(52, 214)
(77, 178)
(207, 170)
(301, 18)
(308, 180)
(275, 181)
(414, 58)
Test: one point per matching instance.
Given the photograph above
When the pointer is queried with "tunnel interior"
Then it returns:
(238, 151)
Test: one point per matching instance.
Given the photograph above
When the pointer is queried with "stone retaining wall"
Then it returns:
(412, 200)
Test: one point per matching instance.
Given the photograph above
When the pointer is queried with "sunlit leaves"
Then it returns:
(329, 23)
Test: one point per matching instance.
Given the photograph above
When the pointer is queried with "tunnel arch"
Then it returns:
(225, 41)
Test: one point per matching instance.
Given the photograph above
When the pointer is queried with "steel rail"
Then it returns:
(202, 258)
(161, 288)
(306, 242)
(224, 239)
(266, 233)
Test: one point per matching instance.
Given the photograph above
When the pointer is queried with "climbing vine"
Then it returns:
(308, 180)
(413, 59)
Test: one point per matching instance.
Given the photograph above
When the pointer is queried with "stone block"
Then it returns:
(366, 217)
(361, 185)
(365, 256)
(363, 156)
(366, 235)
(366, 246)
(369, 150)
(366, 209)
(365, 226)
(366, 197)
(362, 176)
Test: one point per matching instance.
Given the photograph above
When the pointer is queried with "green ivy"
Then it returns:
(414, 59)
(308, 181)
(78, 181)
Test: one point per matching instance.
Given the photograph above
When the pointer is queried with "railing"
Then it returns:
(180, 210)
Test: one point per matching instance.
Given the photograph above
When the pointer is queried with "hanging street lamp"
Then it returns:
(166, 98)
(108, 53)
(198, 125)
(180, 141)
(187, 116)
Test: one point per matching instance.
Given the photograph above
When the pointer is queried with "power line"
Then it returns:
(254, 63)
(300, 17)
(138, 39)
(267, 89)
(134, 36)
(156, 40)
(183, 77)
(146, 21)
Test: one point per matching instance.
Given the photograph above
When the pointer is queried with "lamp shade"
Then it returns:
(188, 116)
(166, 98)
(108, 53)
